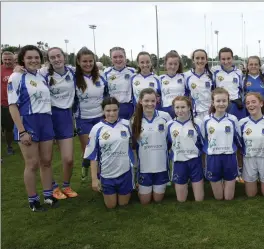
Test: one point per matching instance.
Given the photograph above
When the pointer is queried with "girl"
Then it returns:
(30, 108)
(254, 80)
(229, 77)
(222, 136)
(118, 78)
(252, 129)
(90, 90)
(184, 133)
(109, 146)
(145, 78)
(199, 84)
(149, 136)
(61, 81)
(172, 83)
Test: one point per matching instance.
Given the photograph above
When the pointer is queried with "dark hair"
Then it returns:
(260, 73)
(174, 54)
(50, 68)
(116, 49)
(258, 96)
(110, 101)
(80, 82)
(22, 52)
(138, 115)
(225, 50)
(143, 53)
(189, 103)
(209, 73)
(218, 90)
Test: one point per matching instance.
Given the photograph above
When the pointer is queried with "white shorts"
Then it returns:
(158, 189)
(253, 169)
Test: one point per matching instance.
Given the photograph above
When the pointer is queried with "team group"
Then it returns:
(127, 119)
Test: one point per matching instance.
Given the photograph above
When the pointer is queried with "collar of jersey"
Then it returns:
(119, 70)
(111, 124)
(197, 75)
(87, 76)
(254, 77)
(256, 121)
(154, 116)
(146, 75)
(65, 73)
(219, 120)
(35, 74)
(228, 71)
(182, 123)
(171, 76)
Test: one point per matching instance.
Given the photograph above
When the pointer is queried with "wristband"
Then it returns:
(22, 133)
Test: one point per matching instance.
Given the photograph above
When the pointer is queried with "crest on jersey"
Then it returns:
(37, 95)
(248, 131)
(54, 91)
(193, 85)
(211, 130)
(175, 133)
(123, 134)
(151, 84)
(227, 129)
(190, 133)
(127, 76)
(161, 127)
(220, 78)
(179, 81)
(33, 83)
(10, 87)
(112, 77)
(136, 83)
(165, 82)
(207, 84)
(97, 84)
(235, 80)
(248, 83)
(105, 136)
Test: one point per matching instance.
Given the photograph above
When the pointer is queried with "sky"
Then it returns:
(132, 25)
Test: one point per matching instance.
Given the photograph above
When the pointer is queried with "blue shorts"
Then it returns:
(39, 125)
(150, 179)
(126, 110)
(121, 185)
(191, 169)
(220, 167)
(239, 113)
(62, 123)
(84, 126)
(169, 110)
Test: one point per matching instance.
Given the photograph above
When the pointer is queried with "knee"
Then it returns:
(252, 194)
(229, 198)
(181, 199)
(110, 205)
(45, 163)
(68, 162)
(32, 165)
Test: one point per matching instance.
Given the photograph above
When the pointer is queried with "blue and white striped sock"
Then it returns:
(66, 184)
(54, 185)
(47, 193)
(33, 198)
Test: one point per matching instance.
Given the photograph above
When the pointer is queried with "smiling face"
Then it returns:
(226, 60)
(253, 105)
(56, 58)
(86, 63)
(172, 65)
(144, 63)
(220, 102)
(182, 110)
(32, 60)
(118, 59)
(253, 66)
(199, 60)
(148, 102)
(111, 113)
(8, 60)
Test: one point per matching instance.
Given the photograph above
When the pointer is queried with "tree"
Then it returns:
(187, 62)
(71, 59)
(106, 60)
(12, 49)
(154, 60)
(44, 46)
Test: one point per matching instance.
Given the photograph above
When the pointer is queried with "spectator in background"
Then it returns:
(15, 60)
(100, 67)
(6, 120)
(262, 68)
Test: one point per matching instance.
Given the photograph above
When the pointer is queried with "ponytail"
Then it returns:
(51, 72)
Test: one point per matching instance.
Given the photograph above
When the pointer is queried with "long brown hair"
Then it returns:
(143, 53)
(138, 115)
(80, 82)
(174, 54)
(258, 96)
(218, 90)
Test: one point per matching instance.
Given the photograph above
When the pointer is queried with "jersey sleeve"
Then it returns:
(237, 132)
(92, 147)
(13, 88)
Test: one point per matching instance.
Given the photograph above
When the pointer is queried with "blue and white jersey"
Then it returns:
(253, 84)
(186, 140)
(119, 83)
(200, 89)
(152, 144)
(88, 103)
(231, 81)
(221, 136)
(171, 87)
(140, 82)
(109, 144)
(30, 92)
(252, 137)
(62, 92)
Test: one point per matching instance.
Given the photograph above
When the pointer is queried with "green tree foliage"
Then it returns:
(71, 59)
(154, 60)
(7, 47)
(106, 60)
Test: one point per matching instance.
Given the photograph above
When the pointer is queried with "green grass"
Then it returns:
(84, 222)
